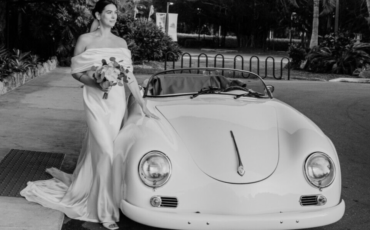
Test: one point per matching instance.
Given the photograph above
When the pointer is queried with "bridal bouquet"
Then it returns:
(110, 71)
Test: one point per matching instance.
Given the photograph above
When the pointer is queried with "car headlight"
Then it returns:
(155, 169)
(319, 170)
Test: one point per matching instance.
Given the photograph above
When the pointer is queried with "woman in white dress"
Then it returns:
(88, 193)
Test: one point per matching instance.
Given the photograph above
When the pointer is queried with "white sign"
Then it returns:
(161, 21)
(172, 26)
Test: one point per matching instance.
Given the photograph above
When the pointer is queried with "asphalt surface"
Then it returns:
(342, 111)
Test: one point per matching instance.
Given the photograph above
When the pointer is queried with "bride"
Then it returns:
(88, 193)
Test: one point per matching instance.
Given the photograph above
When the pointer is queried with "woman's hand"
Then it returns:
(149, 114)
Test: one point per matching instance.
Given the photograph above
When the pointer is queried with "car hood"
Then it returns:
(205, 130)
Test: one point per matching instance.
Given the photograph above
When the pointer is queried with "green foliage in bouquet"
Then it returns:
(146, 41)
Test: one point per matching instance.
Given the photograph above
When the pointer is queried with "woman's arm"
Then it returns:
(86, 77)
(134, 88)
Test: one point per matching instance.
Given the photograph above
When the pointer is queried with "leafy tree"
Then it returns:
(328, 5)
(249, 20)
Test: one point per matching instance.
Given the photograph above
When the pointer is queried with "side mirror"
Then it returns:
(271, 88)
(143, 86)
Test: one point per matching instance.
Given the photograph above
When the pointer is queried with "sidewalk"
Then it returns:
(46, 114)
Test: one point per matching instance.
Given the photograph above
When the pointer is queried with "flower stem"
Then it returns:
(105, 96)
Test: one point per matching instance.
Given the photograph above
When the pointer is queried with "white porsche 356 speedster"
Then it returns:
(225, 155)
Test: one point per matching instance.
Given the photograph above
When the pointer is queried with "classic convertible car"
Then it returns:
(225, 154)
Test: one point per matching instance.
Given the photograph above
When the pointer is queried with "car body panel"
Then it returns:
(296, 220)
(196, 191)
(205, 130)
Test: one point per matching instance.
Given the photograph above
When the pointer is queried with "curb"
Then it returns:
(306, 79)
(15, 80)
(220, 50)
(351, 80)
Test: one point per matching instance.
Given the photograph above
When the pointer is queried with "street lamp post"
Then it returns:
(168, 7)
(292, 17)
(198, 9)
(336, 18)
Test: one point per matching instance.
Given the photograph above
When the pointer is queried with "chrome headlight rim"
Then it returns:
(306, 164)
(155, 153)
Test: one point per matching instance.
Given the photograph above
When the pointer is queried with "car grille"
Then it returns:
(308, 200)
(169, 202)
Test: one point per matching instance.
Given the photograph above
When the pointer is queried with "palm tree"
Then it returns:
(328, 6)
(368, 10)
(315, 24)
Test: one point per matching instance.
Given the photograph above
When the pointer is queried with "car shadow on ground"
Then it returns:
(124, 223)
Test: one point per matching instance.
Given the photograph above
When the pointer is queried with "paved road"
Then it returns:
(342, 111)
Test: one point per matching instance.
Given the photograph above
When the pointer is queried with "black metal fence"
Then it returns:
(238, 62)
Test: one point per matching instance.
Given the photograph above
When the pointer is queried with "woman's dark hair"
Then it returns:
(100, 5)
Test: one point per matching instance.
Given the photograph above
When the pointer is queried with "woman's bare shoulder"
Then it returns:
(82, 42)
(120, 42)
(85, 38)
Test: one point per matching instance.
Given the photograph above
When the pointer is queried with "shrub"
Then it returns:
(19, 62)
(337, 55)
(147, 41)
(320, 59)
(4, 69)
(350, 60)
(297, 54)
(336, 44)
(323, 60)
(16, 62)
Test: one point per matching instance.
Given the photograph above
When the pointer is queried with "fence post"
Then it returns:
(242, 59)
(202, 54)
(281, 68)
(182, 61)
(273, 66)
(223, 61)
(173, 60)
(258, 64)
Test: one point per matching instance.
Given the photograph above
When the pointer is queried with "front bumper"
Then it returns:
(291, 220)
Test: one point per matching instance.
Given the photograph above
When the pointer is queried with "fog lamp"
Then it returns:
(156, 201)
(321, 200)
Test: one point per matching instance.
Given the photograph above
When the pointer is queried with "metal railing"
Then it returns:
(238, 63)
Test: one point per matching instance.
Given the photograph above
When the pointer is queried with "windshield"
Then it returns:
(201, 81)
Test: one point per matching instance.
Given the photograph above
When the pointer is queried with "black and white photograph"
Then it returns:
(185, 114)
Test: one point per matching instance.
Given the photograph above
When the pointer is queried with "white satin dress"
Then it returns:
(89, 193)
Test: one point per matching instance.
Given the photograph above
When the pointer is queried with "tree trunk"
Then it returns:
(3, 12)
(368, 10)
(315, 24)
